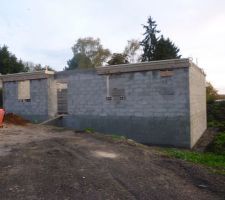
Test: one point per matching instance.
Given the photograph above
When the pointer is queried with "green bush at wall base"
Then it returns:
(218, 145)
(216, 115)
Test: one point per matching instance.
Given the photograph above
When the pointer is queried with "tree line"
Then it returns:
(89, 52)
(10, 64)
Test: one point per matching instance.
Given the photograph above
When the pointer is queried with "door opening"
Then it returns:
(62, 98)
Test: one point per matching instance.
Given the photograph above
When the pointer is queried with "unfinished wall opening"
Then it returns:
(24, 91)
(62, 104)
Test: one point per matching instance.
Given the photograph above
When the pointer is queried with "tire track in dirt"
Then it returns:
(122, 185)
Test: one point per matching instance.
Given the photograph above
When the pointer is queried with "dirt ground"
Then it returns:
(48, 163)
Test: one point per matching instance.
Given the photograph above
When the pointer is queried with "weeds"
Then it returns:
(215, 161)
(89, 130)
(118, 137)
(218, 144)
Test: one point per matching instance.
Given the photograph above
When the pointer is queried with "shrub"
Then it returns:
(211, 93)
(218, 144)
(216, 115)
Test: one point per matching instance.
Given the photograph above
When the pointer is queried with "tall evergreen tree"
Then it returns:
(150, 40)
(157, 48)
(9, 63)
(165, 49)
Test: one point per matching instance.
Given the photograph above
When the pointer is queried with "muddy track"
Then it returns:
(62, 165)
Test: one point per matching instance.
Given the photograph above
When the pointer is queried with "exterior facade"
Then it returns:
(160, 102)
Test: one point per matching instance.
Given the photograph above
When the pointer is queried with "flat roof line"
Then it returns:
(145, 66)
(111, 69)
(26, 76)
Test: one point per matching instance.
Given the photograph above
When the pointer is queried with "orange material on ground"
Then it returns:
(15, 119)
(2, 112)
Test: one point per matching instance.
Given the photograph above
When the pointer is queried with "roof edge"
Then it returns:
(145, 66)
(27, 76)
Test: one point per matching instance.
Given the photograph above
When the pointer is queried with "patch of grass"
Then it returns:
(89, 130)
(215, 155)
(118, 137)
(218, 144)
(215, 161)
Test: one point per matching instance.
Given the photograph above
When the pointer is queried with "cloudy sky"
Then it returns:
(43, 31)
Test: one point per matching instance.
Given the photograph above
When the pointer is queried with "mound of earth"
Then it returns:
(15, 119)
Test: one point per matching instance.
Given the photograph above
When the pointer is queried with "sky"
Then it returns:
(43, 31)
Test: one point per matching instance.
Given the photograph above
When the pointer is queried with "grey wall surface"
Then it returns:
(144, 106)
(36, 109)
(197, 88)
(155, 109)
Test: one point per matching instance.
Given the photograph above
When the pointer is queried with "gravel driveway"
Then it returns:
(48, 163)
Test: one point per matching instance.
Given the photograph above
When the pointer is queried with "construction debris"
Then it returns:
(15, 119)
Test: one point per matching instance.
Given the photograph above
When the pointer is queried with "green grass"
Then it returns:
(113, 137)
(215, 161)
(220, 125)
(89, 130)
(118, 137)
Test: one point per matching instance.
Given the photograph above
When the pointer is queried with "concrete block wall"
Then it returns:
(197, 89)
(153, 106)
(146, 94)
(36, 109)
(155, 109)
